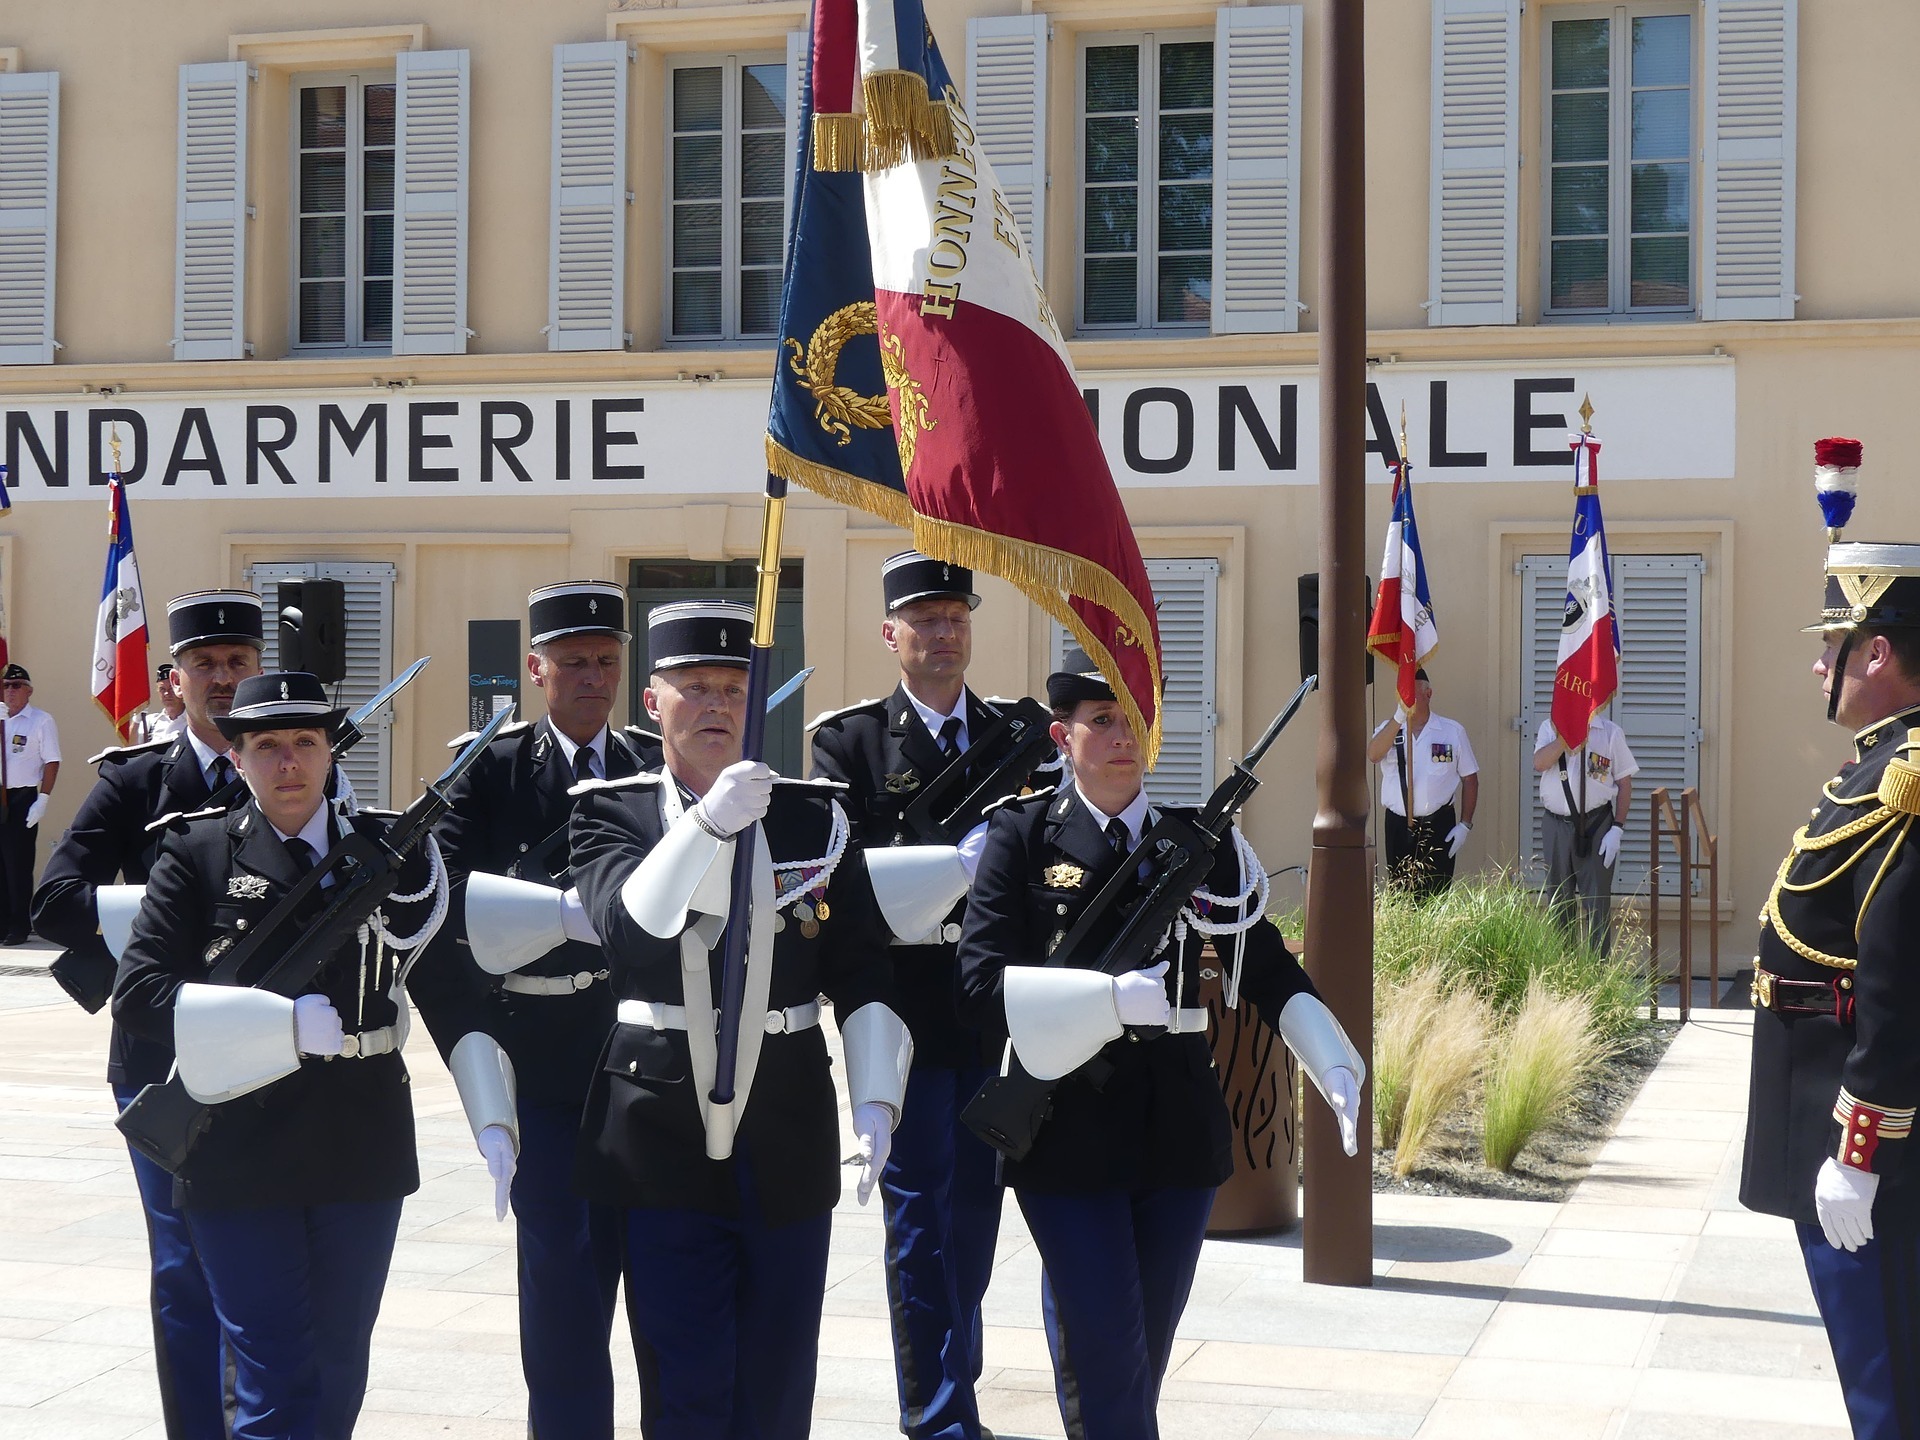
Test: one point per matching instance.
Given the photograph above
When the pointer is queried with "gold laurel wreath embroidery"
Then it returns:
(913, 401)
(838, 408)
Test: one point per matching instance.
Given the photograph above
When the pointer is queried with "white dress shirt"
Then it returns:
(32, 743)
(1442, 758)
(598, 745)
(1604, 759)
(1134, 816)
(934, 720)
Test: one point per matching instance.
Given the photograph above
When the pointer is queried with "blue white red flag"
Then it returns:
(1402, 632)
(1589, 667)
(120, 682)
(960, 418)
(6, 500)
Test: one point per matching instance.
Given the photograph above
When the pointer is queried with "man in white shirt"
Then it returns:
(1586, 793)
(171, 718)
(29, 763)
(1421, 851)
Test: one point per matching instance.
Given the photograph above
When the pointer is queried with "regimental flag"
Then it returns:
(960, 418)
(1402, 632)
(1589, 668)
(120, 682)
(6, 500)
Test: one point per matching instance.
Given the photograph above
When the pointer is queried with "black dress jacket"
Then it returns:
(509, 816)
(1845, 915)
(1159, 1118)
(109, 843)
(642, 1142)
(336, 1129)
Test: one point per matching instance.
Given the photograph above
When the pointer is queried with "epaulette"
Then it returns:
(1900, 781)
(176, 818)
(625, 782)
(637, 732)
(512, 727)
(826, 715)
(121, 752)
(378, 814)
(1006, 800)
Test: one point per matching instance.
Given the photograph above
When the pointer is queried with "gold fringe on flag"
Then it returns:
(1047, 576)
(837, 142)
(903, 122)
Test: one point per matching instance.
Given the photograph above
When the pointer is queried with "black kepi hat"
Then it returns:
(16, 672)
(280, 700)
(577, 607)
(1078, 679)
(698, 632)
(214, 617)
(911, 576)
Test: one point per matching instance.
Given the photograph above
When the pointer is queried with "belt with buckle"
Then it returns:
(552, 984)
(656, 1016)
(1804, 997)
(364, 1044)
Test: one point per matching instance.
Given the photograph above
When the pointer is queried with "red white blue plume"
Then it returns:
(1836, 480)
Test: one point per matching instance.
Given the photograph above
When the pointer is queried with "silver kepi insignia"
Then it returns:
(246, 887)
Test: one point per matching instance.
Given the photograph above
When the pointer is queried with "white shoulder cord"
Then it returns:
(794, 872)
(1250, 906)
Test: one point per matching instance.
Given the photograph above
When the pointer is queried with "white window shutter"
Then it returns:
(433, 123)
(1473, 226)
(29, 194)
(587, 255)
(1543, 603)
(1256, 169)
(1747, 191)
(210, 260)
(1007, 107)
(799, 58)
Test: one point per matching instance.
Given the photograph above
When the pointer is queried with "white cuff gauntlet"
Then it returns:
(231, 1040)
(1058, 1018)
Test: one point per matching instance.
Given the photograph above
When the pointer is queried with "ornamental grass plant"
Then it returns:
(1544, 1055)
(1406, 1007)
(1445, 1064)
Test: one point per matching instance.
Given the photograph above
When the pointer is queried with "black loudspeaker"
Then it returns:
(313, 628)
(1310, 625)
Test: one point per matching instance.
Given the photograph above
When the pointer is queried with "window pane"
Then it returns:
(1660, 272)
(1113, 149)
(1186, 289)
(1661, 197)
(1661, 122)
(1186, 147)
(1580, 200)
(696, 235)
(1113, 78)
(759, 302)
(1579, 54)
(323, 313)
(760, 233)
(1113, 220)
(696, 98)
(376, 312)
(1579, 127)
(323, 247)
(323, 183)
(1186, 75)
(376, 256)
(763, 96)
(378, 173)
(379, 115)
(1662, 50)
(1579, 275)
(696, 304)
(323, 117)
(763, 163)
(1112, 296)
(1186, 217)
(696, 167)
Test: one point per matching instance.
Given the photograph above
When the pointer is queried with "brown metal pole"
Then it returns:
(1338, 1235)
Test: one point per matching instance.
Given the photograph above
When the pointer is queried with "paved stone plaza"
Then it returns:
(1648, 1307)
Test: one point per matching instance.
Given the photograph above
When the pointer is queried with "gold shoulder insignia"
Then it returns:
(1900, 786)
(1064, 876)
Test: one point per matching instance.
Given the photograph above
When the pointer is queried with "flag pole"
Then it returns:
(1406, 716)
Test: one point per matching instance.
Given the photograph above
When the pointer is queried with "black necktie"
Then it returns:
(583, 763)
(222, 773)
(301, 854)
(1119, 836)
(950, 738)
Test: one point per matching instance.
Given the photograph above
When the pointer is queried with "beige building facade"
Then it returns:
(452, 300)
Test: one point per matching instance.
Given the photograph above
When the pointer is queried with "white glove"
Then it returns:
(36, 810)
(496, 1147)
(1456, 837)
(873, 1123)
(1610, 846)
(1843, 1199)
(1343, 1098)
(573, 919)
(740, 796)
(1140, 996)
(316, 1026)
(970, 846)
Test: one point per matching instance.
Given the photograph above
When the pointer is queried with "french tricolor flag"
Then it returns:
(120, 683)
(1589, 668)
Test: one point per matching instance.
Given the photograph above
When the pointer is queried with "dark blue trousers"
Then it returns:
(1119, 1265)
(297, 1289)
(942, 1200)
(729, 1310)
(569, 1282)
(186, 1334)
(1869, 1300)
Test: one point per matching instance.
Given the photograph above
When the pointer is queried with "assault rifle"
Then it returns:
(1121, 927)
(164, 1122)
(994, 766)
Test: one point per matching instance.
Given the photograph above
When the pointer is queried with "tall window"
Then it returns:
(343, 195)
(1620, 125)
(1146, 214)
(729, 176)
